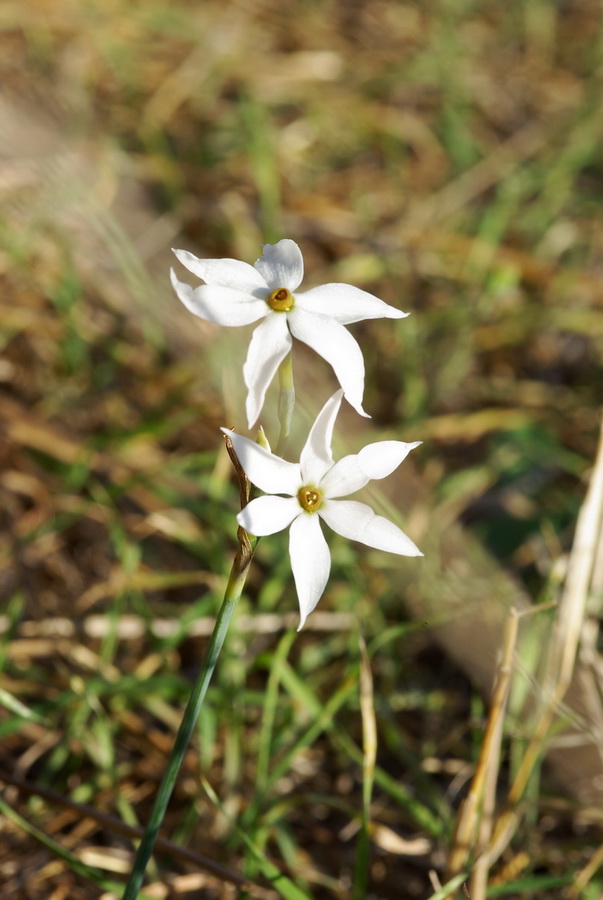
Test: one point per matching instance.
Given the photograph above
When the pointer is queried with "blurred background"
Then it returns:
(445, 156)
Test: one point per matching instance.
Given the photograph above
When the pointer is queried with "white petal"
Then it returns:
(359, 522)
(269, 345)
(337, 346)
(346, 304)
(344, 478)
(316, 457)
(282, 265)
(380, 459)
(268, 472)
(230, 273)
(222, 305)
(310, 562)
(374, 461)
(267, 515)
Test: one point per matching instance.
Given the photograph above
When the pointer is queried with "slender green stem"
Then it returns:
(286, 402)
(236, 582)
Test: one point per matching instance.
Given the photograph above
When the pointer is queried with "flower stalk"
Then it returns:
(286, 402)
(234, 589)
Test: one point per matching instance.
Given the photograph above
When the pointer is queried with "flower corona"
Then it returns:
(280, 300)
(309, 499)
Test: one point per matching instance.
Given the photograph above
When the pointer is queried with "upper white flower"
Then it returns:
(311, 488)
(236, 293)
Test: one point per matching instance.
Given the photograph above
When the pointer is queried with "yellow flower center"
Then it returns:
(309, 498)
(280, 300)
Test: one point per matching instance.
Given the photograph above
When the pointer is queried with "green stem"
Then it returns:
(286, 402)
(236, 582)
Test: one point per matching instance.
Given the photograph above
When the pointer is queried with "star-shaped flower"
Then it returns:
(310, 490)
(236, 293)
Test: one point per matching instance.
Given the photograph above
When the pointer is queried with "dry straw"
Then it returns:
(477, 833)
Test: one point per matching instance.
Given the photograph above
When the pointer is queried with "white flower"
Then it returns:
(311, 488)
(236, 293)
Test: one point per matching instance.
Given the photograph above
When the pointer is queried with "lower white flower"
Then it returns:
(311, 488)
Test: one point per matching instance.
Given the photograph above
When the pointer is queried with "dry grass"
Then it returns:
(447, 158)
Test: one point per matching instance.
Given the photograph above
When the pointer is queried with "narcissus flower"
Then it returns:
(309, 492)
(236, 293)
